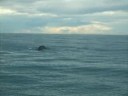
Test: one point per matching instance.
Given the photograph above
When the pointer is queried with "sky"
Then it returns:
(64, 16)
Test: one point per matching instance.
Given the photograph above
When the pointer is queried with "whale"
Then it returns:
(40, 48)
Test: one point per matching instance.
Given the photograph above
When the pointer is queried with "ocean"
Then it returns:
(71, 65)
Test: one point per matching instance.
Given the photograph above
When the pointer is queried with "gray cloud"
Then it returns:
(65, 6)
(32, 15)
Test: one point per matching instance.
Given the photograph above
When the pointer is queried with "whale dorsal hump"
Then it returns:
(42, 47)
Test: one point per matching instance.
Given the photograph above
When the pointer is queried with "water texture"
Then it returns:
(72, 65)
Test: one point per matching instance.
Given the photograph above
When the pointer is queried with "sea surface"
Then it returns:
(71, 65)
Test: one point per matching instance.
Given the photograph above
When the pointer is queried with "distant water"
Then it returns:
(72, 65)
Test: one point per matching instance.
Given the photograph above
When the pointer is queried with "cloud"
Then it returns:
(4, 11)
(111, 13)
(69, 7)
(62, 7)
(83, 29)
(64, 16)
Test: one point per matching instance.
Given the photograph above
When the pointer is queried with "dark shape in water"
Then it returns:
(41, 48)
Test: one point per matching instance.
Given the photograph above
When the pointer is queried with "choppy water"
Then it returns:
(72, 65)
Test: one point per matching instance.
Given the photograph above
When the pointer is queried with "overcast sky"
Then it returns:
(64, 16)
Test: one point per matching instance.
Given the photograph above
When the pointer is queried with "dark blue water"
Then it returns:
(72, 65)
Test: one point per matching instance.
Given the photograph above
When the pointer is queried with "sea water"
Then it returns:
(71, 65)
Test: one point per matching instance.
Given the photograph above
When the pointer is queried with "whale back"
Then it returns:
(42, 47)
